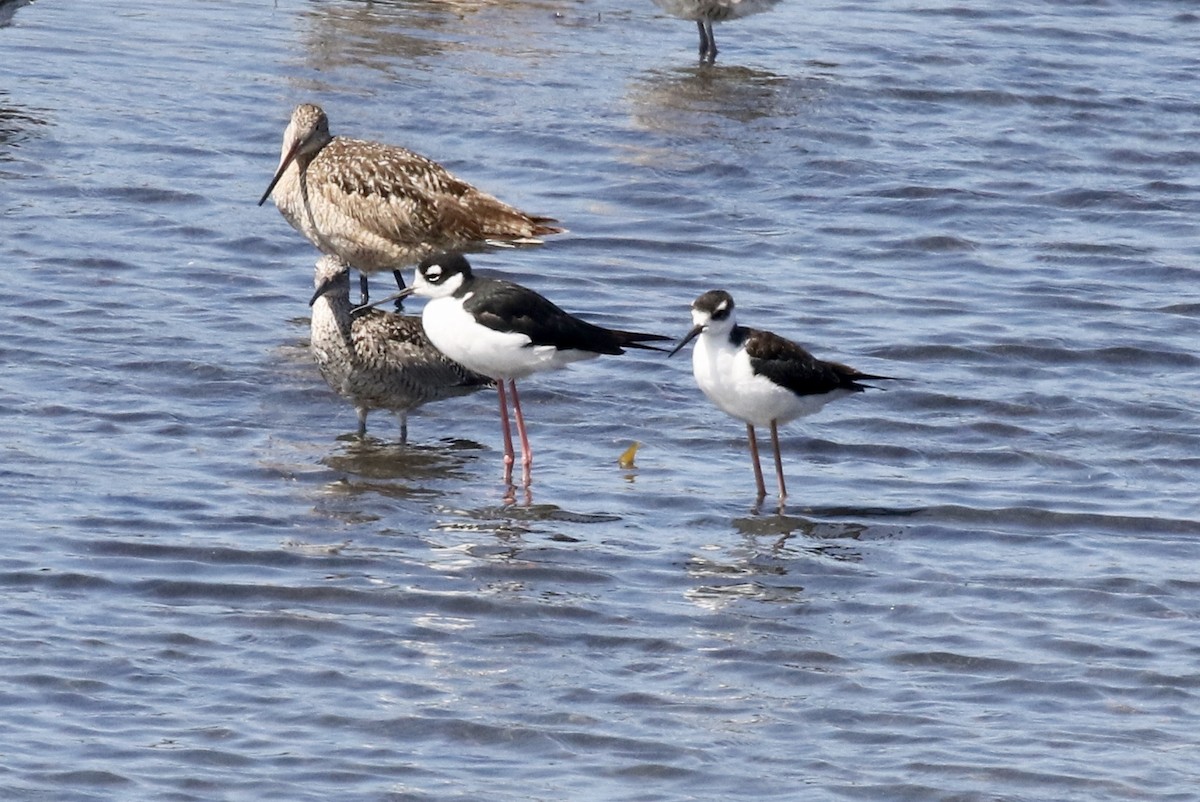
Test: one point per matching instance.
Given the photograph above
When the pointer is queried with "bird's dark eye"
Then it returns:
(721, 312)
(433, 274)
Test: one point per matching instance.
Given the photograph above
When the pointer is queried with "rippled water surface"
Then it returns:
(983, 586)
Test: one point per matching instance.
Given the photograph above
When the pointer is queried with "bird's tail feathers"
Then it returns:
(543, 226)
(521, 242)
(857, 379)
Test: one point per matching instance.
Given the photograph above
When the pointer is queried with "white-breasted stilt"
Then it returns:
(759, 377)
(507, 332)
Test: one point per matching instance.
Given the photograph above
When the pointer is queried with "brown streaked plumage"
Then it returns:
(377, 359)
(384, 207)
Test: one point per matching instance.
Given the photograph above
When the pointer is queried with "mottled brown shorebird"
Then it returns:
(377, 359)
(383, 207)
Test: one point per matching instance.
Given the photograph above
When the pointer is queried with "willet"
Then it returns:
(507, 332)
(706, 12)
(377, 359)
(384, 207)
(759, 377)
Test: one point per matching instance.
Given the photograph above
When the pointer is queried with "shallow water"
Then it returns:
(981, 588)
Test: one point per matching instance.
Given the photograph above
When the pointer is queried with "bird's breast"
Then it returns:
(724, 373)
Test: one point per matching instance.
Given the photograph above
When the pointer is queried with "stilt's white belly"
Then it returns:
(496, 354)
(725, 376)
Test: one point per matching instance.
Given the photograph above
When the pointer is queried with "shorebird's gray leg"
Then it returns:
(400, 285)
(708, 42)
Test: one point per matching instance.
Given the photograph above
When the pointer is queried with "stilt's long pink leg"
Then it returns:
(778, 462)
(758, 477)
(526, 451)
(508, 445)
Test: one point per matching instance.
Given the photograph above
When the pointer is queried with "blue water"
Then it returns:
(981, 588)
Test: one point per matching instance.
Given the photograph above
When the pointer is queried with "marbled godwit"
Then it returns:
(375, 359)
(759, 377)
(706, 12)
(383, 207)
(507, 332)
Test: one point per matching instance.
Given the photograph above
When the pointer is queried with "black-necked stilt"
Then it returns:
(382, 207)
(706, 12)
(376, 359)
(759, 377)
(508, 332)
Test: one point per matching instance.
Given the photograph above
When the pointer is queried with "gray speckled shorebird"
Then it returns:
(377, 359)
(383, 207)
(706, 12)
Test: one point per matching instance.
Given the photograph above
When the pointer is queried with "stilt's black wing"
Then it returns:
(504, 306)
(790, 365)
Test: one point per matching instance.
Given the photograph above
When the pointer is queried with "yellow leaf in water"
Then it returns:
(626, 459)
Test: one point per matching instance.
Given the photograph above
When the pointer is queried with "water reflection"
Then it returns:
(17, 124)
(785, 527)
(702, 100)
(385, 35)
(373, 35)
(456, 7)
(792, 535)
(372, 474)
(394, 471)
(761, 566)
(522, 518)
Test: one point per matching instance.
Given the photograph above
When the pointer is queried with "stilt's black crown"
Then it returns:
(440, 267)
(717, 304)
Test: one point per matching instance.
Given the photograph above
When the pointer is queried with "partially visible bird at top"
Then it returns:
(8, 8)
(384, 207)
(761, 378)
(706, 12)
(377, 359)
